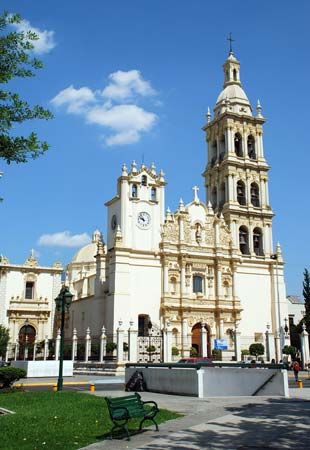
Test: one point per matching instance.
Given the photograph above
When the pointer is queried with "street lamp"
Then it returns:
(150, 325)
(63, 302)
(278, 347)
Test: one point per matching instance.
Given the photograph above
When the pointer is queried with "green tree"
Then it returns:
(16, 61)
(306, 296)
(256, 349)
(4, 339)
(289, 350)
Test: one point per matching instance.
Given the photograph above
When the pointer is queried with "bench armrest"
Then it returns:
(150, 401)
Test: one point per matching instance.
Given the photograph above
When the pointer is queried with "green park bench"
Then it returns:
(122, 409)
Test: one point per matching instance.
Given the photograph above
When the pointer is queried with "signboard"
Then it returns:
(220, 344)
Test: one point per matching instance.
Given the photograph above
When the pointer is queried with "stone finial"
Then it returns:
(196, 198)
(131, 323)
(103, 330)
(259, 109)
(134, 167)
(4, 260)
(31, 260)
(120, 323)
(153, 169)
(124, 170)
(161, 175)
(210, 209)
(118, 235)
(278, 251)
(208, 115)
(181, 205)
(97, 236)
(87, 332)
(57, 265)
(100, 248)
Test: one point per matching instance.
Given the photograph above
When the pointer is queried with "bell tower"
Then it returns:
(236, 175)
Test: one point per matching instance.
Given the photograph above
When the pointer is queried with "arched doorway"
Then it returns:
(26, 338)
(196, 338)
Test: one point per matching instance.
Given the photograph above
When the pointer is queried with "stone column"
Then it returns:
(16, 350)
(304, 339)
(87, 344)
(132, 343)
(219, 289)
(186, 341)
(262, 196)
(167, 343)
(57, 345)
(120, 342)
(103, 344)
(266, 193)
(237, 343)
(74, 345)
(45, 348)
(34, 350)
(221, 329)
(203, 342)
(166, 283)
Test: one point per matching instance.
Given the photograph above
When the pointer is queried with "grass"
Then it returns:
(52, 420)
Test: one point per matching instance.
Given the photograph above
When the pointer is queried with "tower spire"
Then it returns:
(231, 40)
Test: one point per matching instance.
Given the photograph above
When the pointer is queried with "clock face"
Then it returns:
(144, 220)
(113, 222)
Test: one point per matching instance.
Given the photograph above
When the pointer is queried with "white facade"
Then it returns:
(208, 269)
(27, 292)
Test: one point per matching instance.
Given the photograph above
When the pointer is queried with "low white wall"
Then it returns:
(213, 381)
(44, 368)
(169, 381)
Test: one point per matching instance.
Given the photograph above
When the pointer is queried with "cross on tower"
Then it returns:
(231, 40)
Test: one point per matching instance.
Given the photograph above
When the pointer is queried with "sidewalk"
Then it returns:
(223, 423)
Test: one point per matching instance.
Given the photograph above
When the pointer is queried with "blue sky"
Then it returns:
(164, 59)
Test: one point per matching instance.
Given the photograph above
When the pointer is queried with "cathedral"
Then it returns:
(207, 271)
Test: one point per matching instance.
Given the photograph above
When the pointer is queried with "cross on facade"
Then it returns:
(231, 40)
(196, 189)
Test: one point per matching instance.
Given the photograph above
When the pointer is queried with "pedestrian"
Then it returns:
(296, 369)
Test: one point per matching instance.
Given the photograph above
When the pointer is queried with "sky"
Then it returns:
(132, 80)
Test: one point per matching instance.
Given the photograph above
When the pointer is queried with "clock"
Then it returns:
(114, 222)
(144, 220)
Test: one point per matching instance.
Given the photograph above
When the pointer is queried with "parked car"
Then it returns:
(195, 360)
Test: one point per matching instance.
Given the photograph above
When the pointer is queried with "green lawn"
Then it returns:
(52, 420)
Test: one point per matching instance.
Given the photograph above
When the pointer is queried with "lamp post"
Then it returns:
(26, 325)
(63, 302)
(150, 325)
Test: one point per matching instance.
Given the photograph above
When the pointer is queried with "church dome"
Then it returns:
(86, 253)
(233, 92)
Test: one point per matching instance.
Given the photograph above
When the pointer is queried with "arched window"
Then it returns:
(222, 147)
(197, 284)
(254, 194)
(144, 180)
(241, 193)
(144, 324)
(173, 285)
(222, 195)
(214, 197)
(238, 145)
(258, 242)
(244, 240)
(153, 194)
(235, 74)
(29, 290)
(213, 153)
(134, 191)
(251, 147)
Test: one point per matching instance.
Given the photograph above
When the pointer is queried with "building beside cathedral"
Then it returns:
(27, 299)
(206, 272)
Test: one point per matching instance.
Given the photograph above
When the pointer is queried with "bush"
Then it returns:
(289, 350)
(8, 375)
(193, 352)
(256, 349)
(175, 351)
(110, 347)
(217, 354)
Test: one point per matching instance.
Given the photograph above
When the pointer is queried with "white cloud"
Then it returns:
(123, 123)
(124, 85)
(46, 41)
(64, 239)
(76, 100)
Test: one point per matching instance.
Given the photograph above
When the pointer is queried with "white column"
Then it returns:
(124, 202)
(181, 229)
(304, 340)
(74, 345)
(266, 192)
(248, 191)
(203, 342)
(221, 329)
(261, 145)
(103, 343)
(166, 284)
(262, 193)
(168, 344)
(219, 281)
(45, 348)
(182, 284)
(34, 350)
(57, 345)
(132, 343)
(16, 350)
(237, 343)
(87, 344)
(120, 342)
(186, 342)
(251, 246)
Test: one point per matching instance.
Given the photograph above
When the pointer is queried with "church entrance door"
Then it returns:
(196, 339)
(26, 338)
